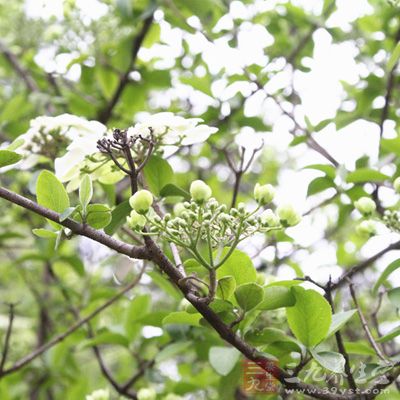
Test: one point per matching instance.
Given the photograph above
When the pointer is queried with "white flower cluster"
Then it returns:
(50, 133)
(170, 129)
(49, 136)
(100, 394)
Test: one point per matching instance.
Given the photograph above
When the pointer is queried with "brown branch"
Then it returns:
(24, 74)
(59, 338)
(105, 114)
(77, 228)
(7, 337)
(360, 267)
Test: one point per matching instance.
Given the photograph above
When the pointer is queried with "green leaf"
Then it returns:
(172, 350)
(277, 297)
(165, 285)
(98, 215)
(360, 348)
(85, 192)
(394, 57)
(391, 145)
(139, 307)
(249, 295)
(328, 170)
(105, 338)
(226, 287)
(389, 336)
(8, 157)
(330, 360)
(67, 213)
(172, 190)
(323, 124)
(157, 173)
(44, 233)
(319, 184)
(339, 320)
(385, 274)
(238, 265)
(310, 318)
(262, 337)
(223, 359)
(182, 317)
(50, 193)
(118, 217)
(394, 296)
(366, 175)
(107, 79)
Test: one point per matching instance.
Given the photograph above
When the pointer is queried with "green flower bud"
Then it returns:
(146, 394)
(136, 220)
(167, 217)
(396, 185)
(264, 194)
(141, 201)
(288, 215)
(269, 218)
(200, 191)
(365, 205)
(366, 228)
(179, 208)
(241, 208)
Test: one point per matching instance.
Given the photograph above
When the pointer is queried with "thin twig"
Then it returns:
(7, 338)
(59, 338)
(364, 324)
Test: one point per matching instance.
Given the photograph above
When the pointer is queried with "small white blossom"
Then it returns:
(172, 129)
(101, 394)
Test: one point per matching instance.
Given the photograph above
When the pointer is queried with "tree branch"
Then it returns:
(363, 265)
(7, 337)
(105, 115)
(84, 230)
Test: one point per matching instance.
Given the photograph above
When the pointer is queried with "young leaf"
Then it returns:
(238, 265)
(394, 57)
(310, 318)
(50, 193)
(277, 297)
(223, 359)
(226, 287)
(182, 317)
(118, 217)
(385, 274)
(85, 192)
(98, 215)
(330, 360)
(172, 190)
(44, 233)
(67, 213)
(339, 320)
(394, 296)
(157, 173)
(8, 157)
(366, 175)
(389, 336)
(249, 295)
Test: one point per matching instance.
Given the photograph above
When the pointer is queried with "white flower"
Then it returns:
(101, 394)
(78, 134)
(172, 129)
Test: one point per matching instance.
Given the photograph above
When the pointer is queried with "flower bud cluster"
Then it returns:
(392, 220)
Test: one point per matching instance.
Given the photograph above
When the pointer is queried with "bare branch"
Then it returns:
(7, 337)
